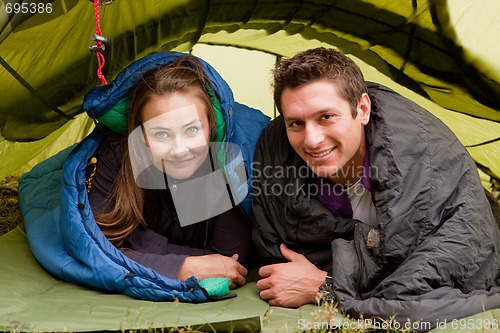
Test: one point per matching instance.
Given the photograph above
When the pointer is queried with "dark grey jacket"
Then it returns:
(435, 253)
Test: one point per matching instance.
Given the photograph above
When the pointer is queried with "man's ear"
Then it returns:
(364, 108)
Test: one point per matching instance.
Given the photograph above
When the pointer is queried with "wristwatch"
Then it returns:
(326, 290)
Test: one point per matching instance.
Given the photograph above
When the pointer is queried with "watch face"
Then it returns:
(326, 290)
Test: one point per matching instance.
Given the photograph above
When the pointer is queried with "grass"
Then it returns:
(10, 214)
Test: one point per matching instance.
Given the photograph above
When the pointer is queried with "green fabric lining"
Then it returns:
(116, 118)
(220, 127)
(216, 286)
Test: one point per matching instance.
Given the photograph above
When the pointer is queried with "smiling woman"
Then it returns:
(171, 122)
(121, 228)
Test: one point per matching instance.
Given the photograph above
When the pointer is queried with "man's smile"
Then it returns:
(321, 154)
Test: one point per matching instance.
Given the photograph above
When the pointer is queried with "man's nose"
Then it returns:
(313, 136)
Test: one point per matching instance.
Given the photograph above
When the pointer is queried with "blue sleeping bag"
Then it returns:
(62, 232)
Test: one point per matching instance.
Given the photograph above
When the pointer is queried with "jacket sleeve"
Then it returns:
(267, 234)
(153, 250)
(230, 234)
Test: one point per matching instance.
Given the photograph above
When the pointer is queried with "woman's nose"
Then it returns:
(178, 146)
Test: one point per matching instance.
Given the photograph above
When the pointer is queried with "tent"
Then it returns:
(441, 54)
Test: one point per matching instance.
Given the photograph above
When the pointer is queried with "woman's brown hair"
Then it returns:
(127, 198)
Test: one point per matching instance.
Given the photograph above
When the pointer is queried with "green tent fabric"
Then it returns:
(441, 54)
(444, 51)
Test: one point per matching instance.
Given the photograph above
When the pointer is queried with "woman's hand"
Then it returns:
(214, 265)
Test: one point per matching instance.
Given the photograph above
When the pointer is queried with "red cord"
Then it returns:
(100, 56)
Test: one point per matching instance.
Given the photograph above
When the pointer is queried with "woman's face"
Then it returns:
(177, 132)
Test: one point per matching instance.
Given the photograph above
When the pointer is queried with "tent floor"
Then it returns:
(33, 300)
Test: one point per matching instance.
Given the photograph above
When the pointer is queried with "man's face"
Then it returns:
(321, 129)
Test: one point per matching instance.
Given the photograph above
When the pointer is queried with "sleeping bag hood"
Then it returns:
(60, 226)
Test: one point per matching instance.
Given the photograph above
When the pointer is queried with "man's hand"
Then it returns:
(290, 284)
(214, 265)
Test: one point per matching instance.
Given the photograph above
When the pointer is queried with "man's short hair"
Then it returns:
(317, 64)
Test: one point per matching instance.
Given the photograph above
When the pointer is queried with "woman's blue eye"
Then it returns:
(192, 130)
(161, 135)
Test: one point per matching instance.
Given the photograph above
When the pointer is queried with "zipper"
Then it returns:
(359, 256)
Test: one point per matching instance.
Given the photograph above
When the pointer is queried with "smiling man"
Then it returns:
(380, 207)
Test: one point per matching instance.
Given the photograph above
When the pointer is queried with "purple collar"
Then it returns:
(333, 198)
